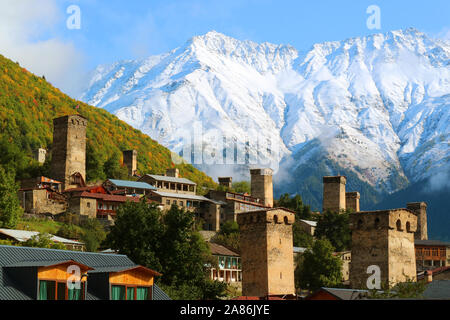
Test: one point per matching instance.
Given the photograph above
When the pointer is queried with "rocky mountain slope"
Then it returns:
(375, 108)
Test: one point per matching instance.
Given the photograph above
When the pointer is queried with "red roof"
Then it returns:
(88, 188)
(108, 197)
(47, 180)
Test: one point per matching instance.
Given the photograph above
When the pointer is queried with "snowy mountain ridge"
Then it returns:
(376, 105)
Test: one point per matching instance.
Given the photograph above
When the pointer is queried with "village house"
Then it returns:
(127, 187)
(41, 195)
(431, 254)
(43, 274)
(19, 236)
(171, 182)
(229, 264)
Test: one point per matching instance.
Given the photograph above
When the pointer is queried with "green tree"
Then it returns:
(408, 289)
(241, 187)
(228, 236)
(318, 267)
(43, 240)
(137, 232)
(301, 238)
(94, 166)
(93, 234)
(302, 212)
(10, 209)
(114, 169)
(169, 244)
(335, 227)
(295, 203)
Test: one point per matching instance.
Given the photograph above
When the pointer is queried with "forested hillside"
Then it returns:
(28, 104)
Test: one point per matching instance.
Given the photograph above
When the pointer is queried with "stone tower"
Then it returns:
(130, 160)
(420, 209)
(40, 154)
(261, 185)
(173, 172)
(352, 200)
(69, 151)
(384, 239)
(267, 252)
(334, 193)
(226, 181)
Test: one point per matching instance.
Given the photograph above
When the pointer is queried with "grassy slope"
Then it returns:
(28, 105)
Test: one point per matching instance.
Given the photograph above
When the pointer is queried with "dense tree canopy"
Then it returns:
(318, 267)
(335, 227)
(10, 209)
(28, 105)
(168, 243)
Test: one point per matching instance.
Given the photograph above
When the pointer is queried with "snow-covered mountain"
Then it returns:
(376, 107)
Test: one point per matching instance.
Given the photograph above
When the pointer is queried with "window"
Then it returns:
(124, 292)
(53, 290)
(168, 202)
(88, 204)
(408, 227)
(377, 223)
(181, 203)
(399, 225)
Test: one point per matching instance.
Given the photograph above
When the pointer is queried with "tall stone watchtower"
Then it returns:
(384, 239)
(261, 185)
(226, 182)
(334, 193)
(130, 160)
(267, 252)
(420, 209)
(69, 150)
(352, 200)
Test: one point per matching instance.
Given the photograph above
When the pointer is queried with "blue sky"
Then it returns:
(112, 30)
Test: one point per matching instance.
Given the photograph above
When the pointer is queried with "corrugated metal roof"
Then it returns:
(181, 195)
(132, 184)
(159, 294)
(218, 249)
(24, 235)
(24, 256)
(431, 243)
(437, 289)
(309, 222)
(299, 249)
(170, 179)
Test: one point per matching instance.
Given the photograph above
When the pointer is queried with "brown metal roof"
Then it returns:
(217, 249)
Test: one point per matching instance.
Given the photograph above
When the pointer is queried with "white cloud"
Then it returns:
(23, 25)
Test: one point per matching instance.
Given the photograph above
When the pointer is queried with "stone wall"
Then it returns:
(130, 160)
(352, 201)
(267, 252)
(261, 185)
(39, 201)
(334, 193)
(68, 149)
(420, 209)
(385, 239)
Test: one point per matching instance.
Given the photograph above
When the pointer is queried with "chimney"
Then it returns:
(130, 160)
(261, 185)
(334, 193)
(429, 276)
(225, 181)
(352, 201)
(173, 172)
(420, 209)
